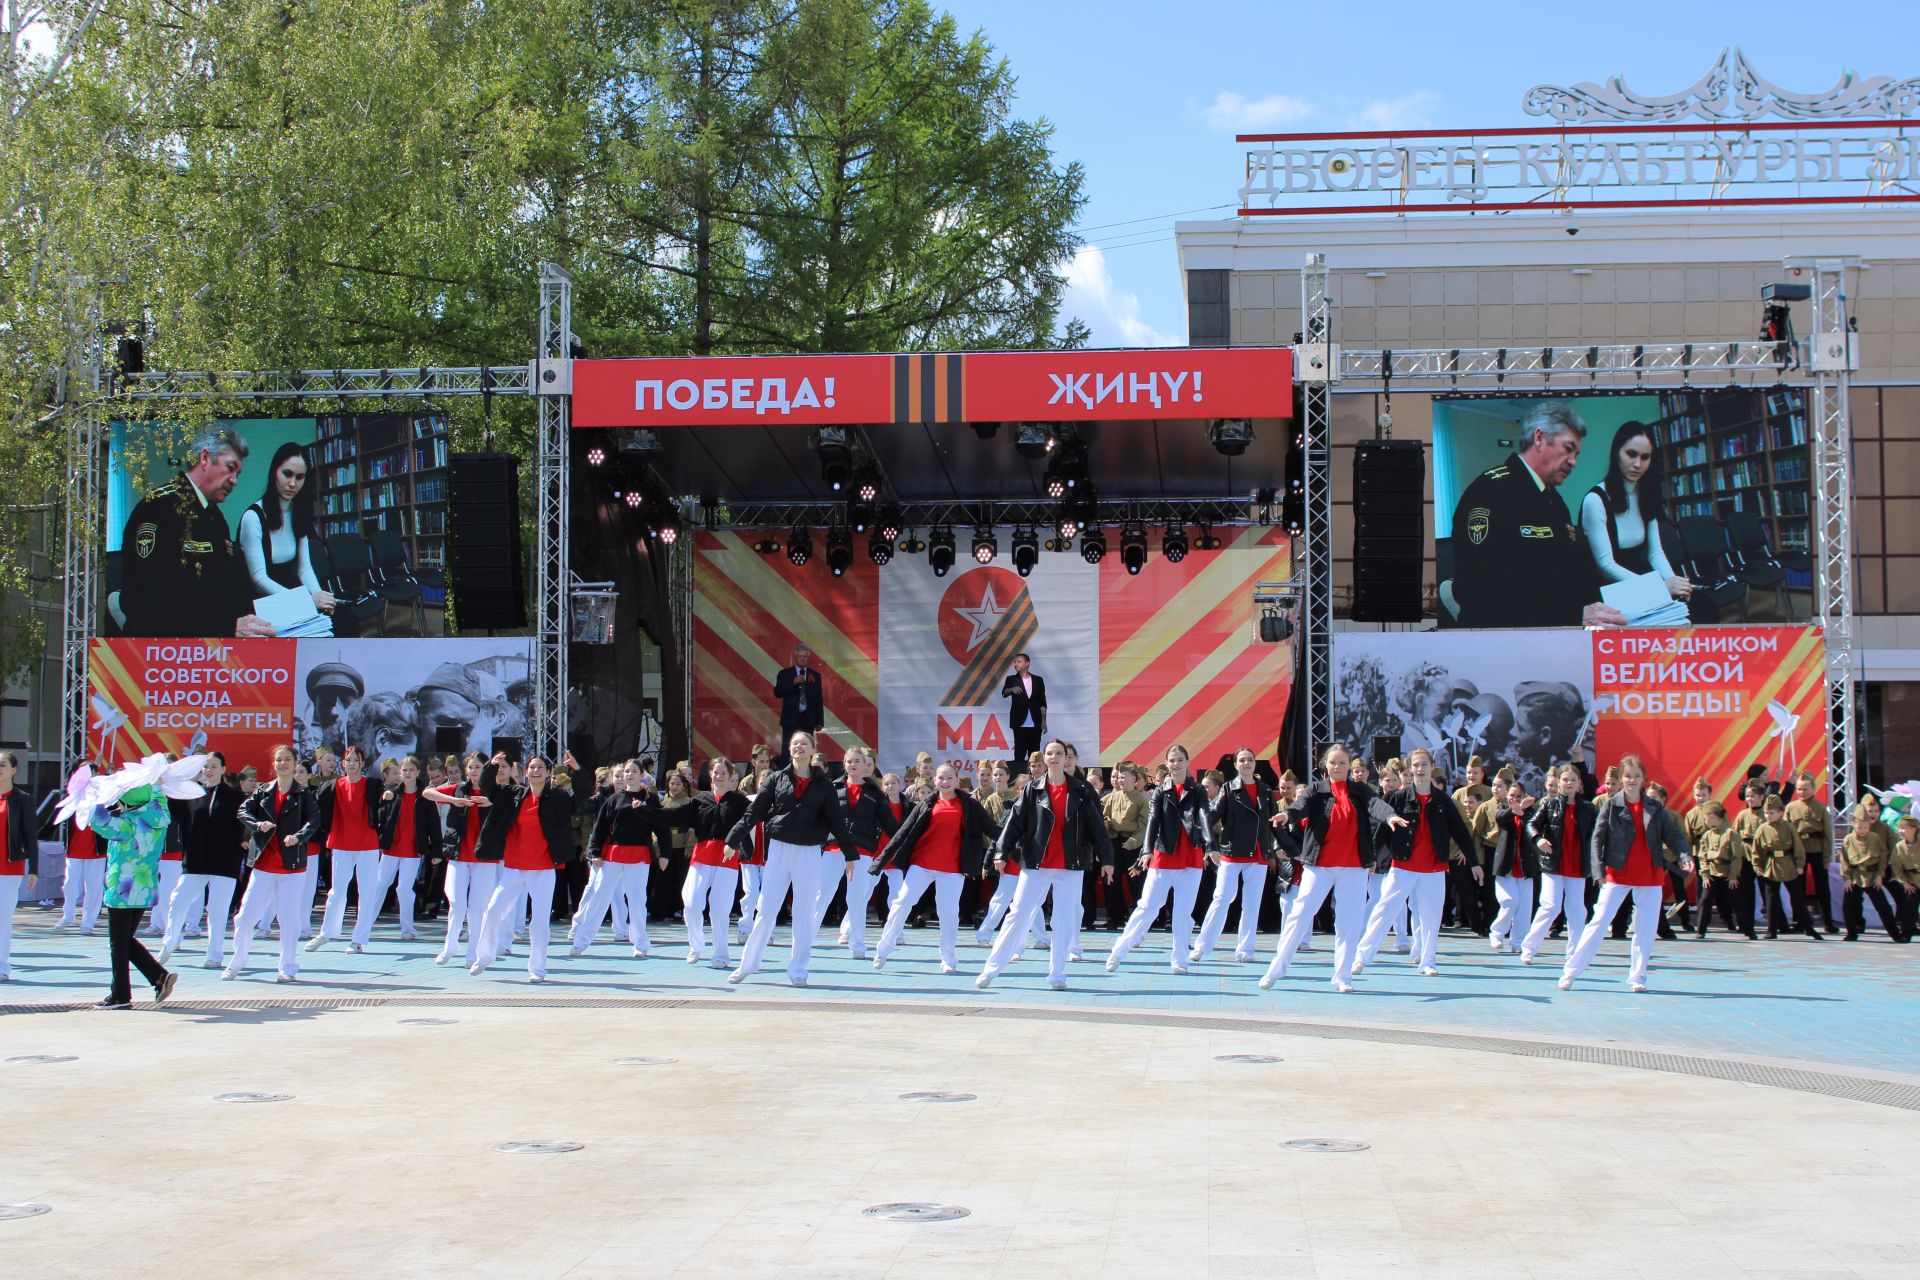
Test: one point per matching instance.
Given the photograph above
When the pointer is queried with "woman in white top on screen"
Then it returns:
(275, 531)
(1621, 516)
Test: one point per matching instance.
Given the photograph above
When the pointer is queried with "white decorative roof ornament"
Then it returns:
(1731, 92)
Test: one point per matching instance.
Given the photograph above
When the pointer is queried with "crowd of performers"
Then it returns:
(1382, 858)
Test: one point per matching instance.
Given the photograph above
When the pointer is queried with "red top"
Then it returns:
(1424, 858)
(82, 844)
(269, 860)
(939, 847)
(899, 812)
(172, 852)
(800, 786)
(8, 866)
(1055, 858)
(350, 829)
(470, 838)
(1185, 857)
(1341, 848)
(1570, 844)
(710, 853)
(1639, 871)
(526, 842)
(1253, 798)
(853, 797)
(628, 854)
(403, 829)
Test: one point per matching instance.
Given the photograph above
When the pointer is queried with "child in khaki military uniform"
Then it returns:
(1125, 809)
(1863, 865)
(1720, 856)
(1903, 877)
(1779, 859)
(1811, 818)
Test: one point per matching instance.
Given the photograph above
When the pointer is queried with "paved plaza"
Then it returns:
(1756, 1114)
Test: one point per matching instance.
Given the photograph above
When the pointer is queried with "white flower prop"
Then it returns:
(176, 779)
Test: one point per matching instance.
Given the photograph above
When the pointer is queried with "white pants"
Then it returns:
(167, 881)
(302, 922)
(268, 893)
(1247, 880)
(997, 908)
(1184, 886)
(708, 896)
(85, 883)
(1425, 892)
(946, 902)
(833, 869)
(1646, 922)
(792, 866)
(515, 890)
(388, 873)
(1348, 885)
(1515, 896)
(9, 900)
(595, 873)
(1556, 893)
(361, 865)
(616, 881)
(860, 886)
(216, 892)
(469, 887)
(751, 874)
(1028, 897)
(1396, 923)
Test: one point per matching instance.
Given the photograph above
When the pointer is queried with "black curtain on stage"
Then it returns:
(1294, 747)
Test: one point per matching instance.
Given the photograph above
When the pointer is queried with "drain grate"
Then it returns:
(914, 1211)
(643, 1062)
(9, 1211)
(40, 1059)
(428, 1022)
(1246, 1059)
(253, 1097)
(1326, 1144)
(539, 1148)
(934, 1095)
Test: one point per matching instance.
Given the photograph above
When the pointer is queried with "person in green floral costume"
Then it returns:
(134, 831)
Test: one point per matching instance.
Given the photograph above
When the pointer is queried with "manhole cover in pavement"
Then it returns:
(539, 1148)
(935, 1095)
(643, 1062)
(912, 1212)
(253, 1097)
(1251, 1059)
(1326, 1144)
(428, 1022)
(41, 1059)
(23, 1210)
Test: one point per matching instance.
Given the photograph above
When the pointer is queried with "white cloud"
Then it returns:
(1112, 314)
(1232, 112)
(1410, 111)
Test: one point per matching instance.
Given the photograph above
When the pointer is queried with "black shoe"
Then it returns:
(112, 1002)
(1664, 933)
(1815, 936)
(1699, 935)
(1772, 936)
(164, 988)
(1851, 936)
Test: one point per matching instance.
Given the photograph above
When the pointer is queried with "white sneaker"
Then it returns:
(796, 982)
(1526, 957)
(285, 977)
(536, 977)
(949, 968)
(737, 977)
(319, 941)
(1180, 968)
(445, 957)
(1636, 987)
(479, 967)
(576, 951)
(1566, 984)
(1266, 982)
(1111, 965)
(86, 933)
(1305, 946)
(229, 974)
(409, 937)
(639, 953)
(984, 981)
(693, 957)
(1344, 988)
(357, 948)
(166, 954)
(1429, 972)
(1194, 956)
(720, 963)
(210, 964)
(1359, 968)
(1061, 985)
(879, 963)
(1075, 955)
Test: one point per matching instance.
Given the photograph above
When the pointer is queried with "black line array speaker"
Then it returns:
(486, 572)
(1389, 535)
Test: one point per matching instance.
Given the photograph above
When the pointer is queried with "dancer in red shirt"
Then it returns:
(349, 821)
(1178, 841)
(409, 831)
(945, 833)
(19, 856)
(470, 878)
(284, 823)
(529, 827)
(1636, 841)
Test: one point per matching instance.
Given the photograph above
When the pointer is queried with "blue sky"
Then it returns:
(1149, 95)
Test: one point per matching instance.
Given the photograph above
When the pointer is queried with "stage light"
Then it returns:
(880, 548)
(1026, 551)
(1230, 436)
(839, 549)
(867, 486)
(596, 456)
(1032, 439)
(1173, 544)
(635, 498)
(1206, 541)
(1056, 488)
(912, 545)
(836, 456)
(767, 545)
(985, 545)
(1066, 528)
(887, 524)
(1093, 546)
(667, 528)
(799, 546)
(859, 516)
(1058, 544)
(638, 440)
(1133, 548)
(940, 550)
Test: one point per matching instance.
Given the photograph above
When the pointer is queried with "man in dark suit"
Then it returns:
(803, 704)
(1028, 714)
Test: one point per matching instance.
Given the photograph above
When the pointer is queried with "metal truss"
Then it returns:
(1566, 368)
(1833, 513)
(323, 384)
(1317, 366)
(80, 584)
(1039, 515)
(553, 393)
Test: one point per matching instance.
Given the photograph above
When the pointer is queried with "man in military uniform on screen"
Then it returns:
(181, 574)
(1517, 557)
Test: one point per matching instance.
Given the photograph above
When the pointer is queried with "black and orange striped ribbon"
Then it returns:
(928, 388)
(991, 661)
